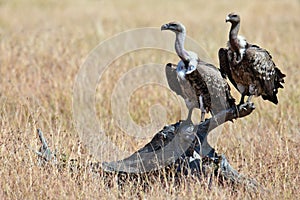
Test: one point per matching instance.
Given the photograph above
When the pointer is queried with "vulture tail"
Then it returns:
(278, 80)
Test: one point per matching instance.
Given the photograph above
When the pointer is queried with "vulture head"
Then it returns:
(233, 18)
(176, 27)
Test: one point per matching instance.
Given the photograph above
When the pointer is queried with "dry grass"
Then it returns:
(44, 43)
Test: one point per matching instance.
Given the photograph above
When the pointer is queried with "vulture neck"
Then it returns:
(233, 36)
(179, 47)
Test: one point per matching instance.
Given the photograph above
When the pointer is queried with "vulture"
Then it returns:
(249, 67)
(199, 83)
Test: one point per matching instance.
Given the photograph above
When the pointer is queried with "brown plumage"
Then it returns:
(249, 68)
(199, 83)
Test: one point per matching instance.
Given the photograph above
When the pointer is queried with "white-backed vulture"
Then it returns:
(199, 83)
(250, 68)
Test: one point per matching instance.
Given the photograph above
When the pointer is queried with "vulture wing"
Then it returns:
(265, 71)
(224, 66)
(172, 78)
(181, 87)
(208, 81)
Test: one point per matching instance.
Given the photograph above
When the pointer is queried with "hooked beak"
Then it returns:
(227, 19)
(171, 65)
(164, 27)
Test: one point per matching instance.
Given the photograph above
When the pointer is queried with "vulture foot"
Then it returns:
(202, 117)
(186, 125)
(246, 105)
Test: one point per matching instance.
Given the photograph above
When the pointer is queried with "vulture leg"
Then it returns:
(201, 106)
(248, 103)
(188, 120)
(202, 116)
(242, 101)
(189, 117)
(249, 99)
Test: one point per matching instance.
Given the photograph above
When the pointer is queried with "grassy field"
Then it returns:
(43, 45)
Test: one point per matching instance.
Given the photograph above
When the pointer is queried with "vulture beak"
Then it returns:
(227, 19)
(171, 65)
(164, 27)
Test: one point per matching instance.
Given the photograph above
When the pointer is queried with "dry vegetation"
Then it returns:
(44, 43)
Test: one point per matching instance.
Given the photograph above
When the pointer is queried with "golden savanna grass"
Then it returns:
(44, 43)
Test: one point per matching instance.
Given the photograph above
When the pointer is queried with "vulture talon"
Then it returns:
(243, 106)
(251, 105)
